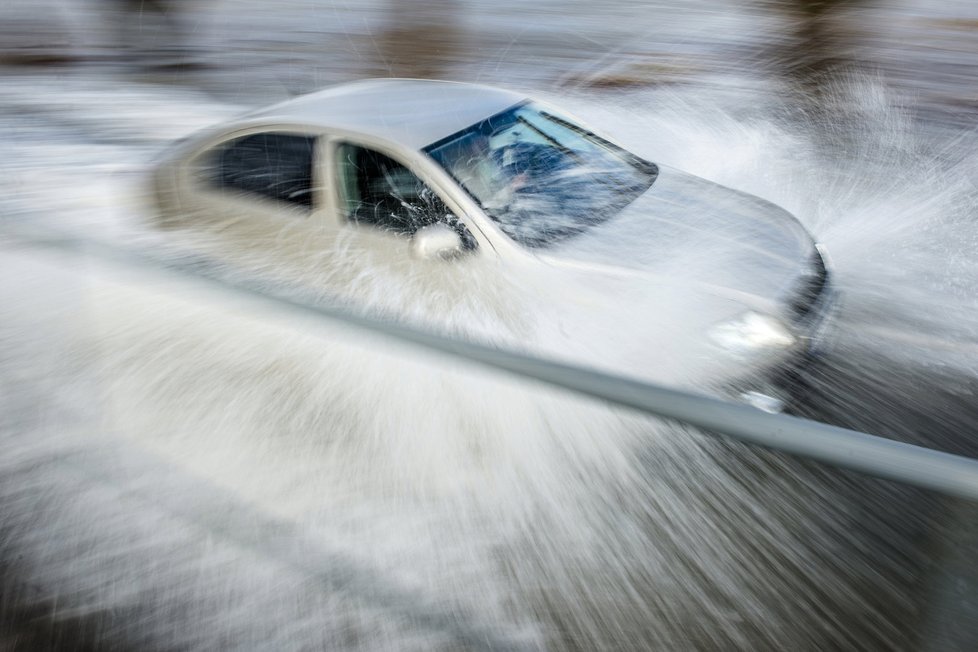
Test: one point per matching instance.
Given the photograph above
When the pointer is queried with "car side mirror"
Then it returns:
(436, 241)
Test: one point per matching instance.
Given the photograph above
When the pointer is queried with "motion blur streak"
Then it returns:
(954, 475)
(548, 521)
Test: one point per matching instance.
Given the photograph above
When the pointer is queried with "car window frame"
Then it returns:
(192, 178)
(330, 217)
(419, 164)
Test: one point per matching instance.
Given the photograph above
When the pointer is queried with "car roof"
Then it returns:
(411, 112)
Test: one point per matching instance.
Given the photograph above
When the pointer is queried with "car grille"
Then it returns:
(810, 289)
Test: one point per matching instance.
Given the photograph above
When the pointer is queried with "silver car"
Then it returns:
(428, 170)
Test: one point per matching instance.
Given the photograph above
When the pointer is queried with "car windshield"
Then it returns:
(540, 176)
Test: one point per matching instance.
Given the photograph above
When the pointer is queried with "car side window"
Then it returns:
(380, 192)
(273, 165)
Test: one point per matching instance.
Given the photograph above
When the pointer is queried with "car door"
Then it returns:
(383, 204)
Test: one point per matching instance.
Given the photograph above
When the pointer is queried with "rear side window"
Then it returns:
(273, 165)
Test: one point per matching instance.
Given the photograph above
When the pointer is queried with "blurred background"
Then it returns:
(179, 470)
(243, 50)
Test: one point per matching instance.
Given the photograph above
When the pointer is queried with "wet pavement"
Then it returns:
(762, 551)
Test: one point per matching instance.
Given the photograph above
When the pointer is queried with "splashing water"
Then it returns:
(481, 503)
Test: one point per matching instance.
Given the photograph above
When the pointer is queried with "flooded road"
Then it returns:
(184, 472)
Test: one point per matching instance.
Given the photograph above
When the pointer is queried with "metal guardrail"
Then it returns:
(847, 449)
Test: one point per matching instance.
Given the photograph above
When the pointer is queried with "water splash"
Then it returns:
(551, 519)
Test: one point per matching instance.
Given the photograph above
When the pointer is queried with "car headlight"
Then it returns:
(751, 332)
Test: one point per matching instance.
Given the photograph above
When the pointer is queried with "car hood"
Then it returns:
(686, 229)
